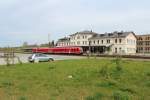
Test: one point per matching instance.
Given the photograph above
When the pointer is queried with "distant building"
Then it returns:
(143, 43)
(116, 42)
(63, 42)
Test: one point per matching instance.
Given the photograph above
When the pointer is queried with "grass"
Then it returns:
(49, 81)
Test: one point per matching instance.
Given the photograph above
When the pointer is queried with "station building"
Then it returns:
(110, 43)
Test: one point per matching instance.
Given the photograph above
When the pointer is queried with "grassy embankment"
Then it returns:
(92, 79)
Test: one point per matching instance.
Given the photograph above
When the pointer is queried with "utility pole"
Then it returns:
(89, 51)
(49, 39)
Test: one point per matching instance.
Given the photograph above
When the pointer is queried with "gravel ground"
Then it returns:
(24, 58)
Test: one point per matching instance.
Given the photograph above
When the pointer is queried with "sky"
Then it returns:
(32, 20)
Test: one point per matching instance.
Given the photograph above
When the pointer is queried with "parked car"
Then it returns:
(39, 57)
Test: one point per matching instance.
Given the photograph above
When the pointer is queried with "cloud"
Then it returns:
(32, 20)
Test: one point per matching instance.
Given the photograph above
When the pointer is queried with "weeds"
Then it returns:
(118, 64)
(22, 98)
(97, 96)
(51, 67)
(148, 74)
(7, 83)
(120, 96)
(147, 84)
(104, 71)
(107, 84)
(118, 69)
(128, 89)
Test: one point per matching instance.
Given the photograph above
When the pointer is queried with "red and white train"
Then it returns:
(59, 50)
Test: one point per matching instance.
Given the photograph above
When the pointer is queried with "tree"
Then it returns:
(25, 44)
(53, 43)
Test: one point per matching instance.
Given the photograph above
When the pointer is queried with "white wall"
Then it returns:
(80, 39)
(131, 44)
(126, 46)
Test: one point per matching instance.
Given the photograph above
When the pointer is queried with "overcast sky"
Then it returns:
(33, 20)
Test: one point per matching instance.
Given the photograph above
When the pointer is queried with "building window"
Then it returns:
(78, 37)
(102, 41)
(93, 42)
(83, 42)
(120, 49)
(147, 38)
(97, 41)
(85, 37)
(115, 40)
(147, 43)
(120, 40)
(78, 42)
(140, 38)
(115, 50)
(139, 43)
(108, 41)
(89, 42)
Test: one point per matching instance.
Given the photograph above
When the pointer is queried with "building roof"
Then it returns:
(64, 39)
(112, 35)
(84, 32)
(143, 35)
